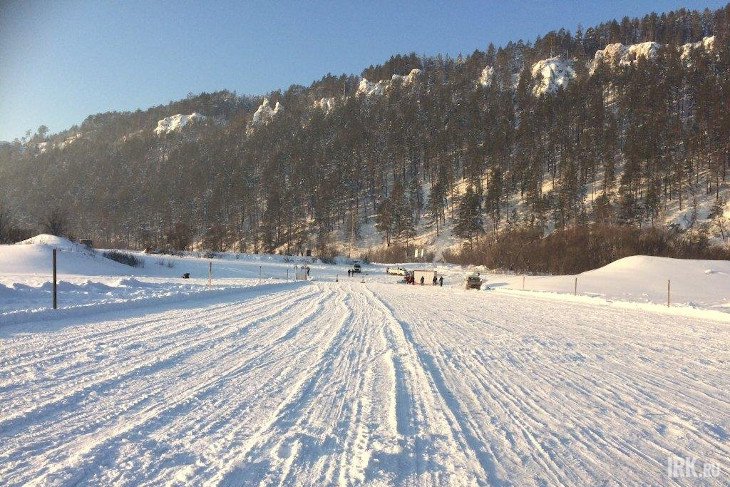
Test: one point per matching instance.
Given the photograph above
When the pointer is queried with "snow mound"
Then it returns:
(708, 44)
(175, 123)
(485, 79)
(52, 241)
(33, 257)
(551, 74)
(265, 114)
(620, 55)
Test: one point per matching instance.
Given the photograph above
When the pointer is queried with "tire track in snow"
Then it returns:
(462, 432)
(560, 403)
(248, 464)
(166, 354)
(285, 306)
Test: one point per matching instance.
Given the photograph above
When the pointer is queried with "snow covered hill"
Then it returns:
(699, 284)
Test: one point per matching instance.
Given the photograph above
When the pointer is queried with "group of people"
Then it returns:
(411, 279)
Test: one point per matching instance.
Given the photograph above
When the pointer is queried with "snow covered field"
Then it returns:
(277, 382)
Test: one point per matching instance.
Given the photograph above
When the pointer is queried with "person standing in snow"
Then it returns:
(441, 281)
(422, 280)
(434, 279)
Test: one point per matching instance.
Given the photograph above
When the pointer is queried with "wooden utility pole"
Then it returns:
(55, 287)
(669, 292)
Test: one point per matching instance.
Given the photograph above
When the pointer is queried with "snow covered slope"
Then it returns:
(86, 279)
(643, 279)
(363, 384)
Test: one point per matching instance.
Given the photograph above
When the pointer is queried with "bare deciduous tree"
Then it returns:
(56, 222)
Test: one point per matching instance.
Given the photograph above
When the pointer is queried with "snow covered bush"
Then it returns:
(124, 258)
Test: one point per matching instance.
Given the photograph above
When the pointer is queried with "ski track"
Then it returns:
(378, 384)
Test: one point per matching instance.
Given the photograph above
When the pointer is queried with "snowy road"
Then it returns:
(349, 383)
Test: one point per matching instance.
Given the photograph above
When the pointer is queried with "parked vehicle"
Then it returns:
(473, 281)
(396, 271)
(356, 268)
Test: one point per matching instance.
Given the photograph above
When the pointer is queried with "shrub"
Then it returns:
(165, 263)
(124, 258)
(576, 249)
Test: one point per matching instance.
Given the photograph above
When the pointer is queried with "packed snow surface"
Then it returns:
(359, 381)
(551, 74)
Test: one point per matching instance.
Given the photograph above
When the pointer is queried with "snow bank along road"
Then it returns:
(349, 383)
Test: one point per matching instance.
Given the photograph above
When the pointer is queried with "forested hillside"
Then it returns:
(575, 137)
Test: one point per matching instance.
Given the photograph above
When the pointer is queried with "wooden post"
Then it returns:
(259, 272)
(575, 287)
(55, 298)
(669, 292)
(523, 282)
(210, 272)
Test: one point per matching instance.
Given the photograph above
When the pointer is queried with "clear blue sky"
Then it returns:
(61, 61)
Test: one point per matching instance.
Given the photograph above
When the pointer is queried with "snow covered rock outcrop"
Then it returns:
(369, 88)
(620, 55)
(485, 79)
(325, 104)
(408, 79)
(265, 114)
(708, 44)
(175, 123)
(551, 74)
